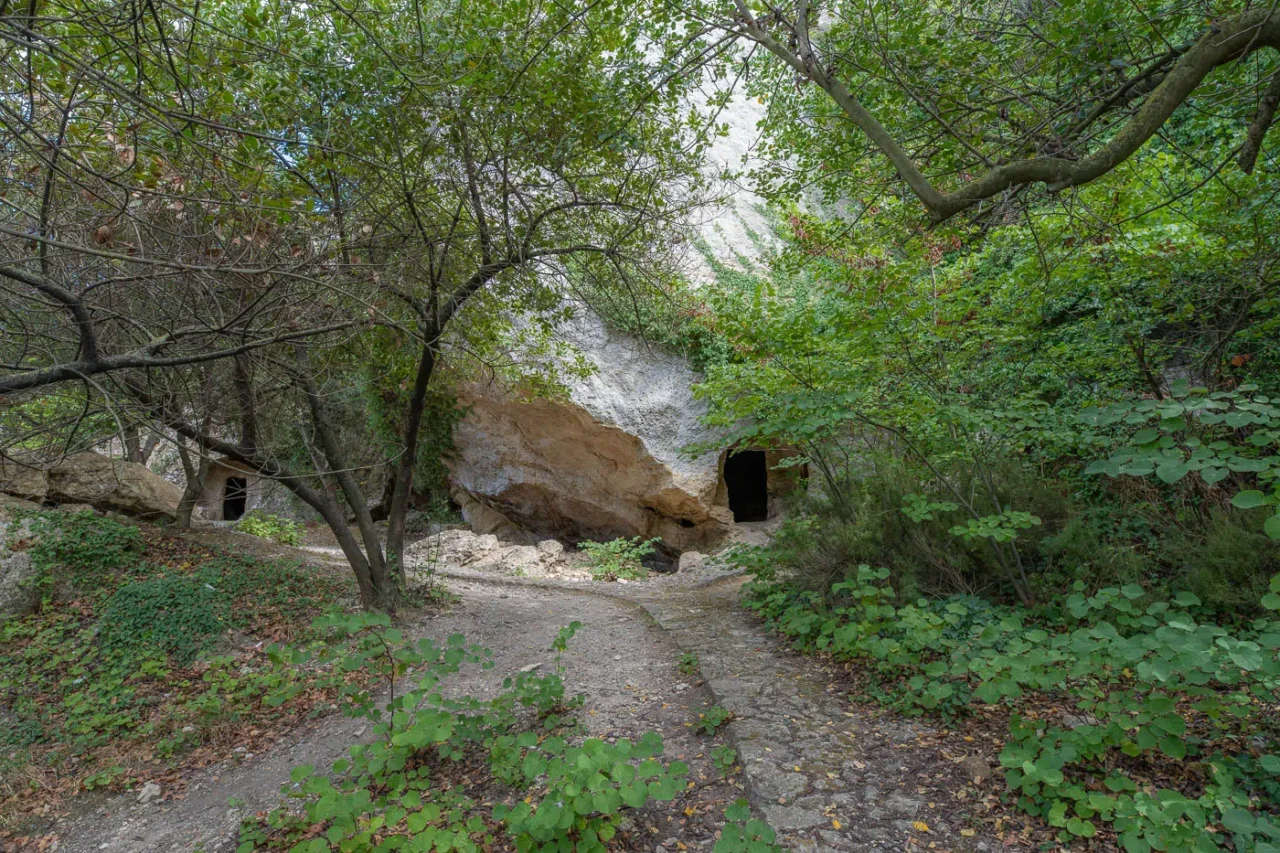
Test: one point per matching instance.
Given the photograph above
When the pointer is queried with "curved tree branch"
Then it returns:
(1261, 123)
(1227, 41)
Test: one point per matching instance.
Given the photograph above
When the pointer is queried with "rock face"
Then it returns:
(18, 594)
(606, 462)
(95, 480)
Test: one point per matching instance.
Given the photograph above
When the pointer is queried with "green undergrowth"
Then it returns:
(267, 526)
(1171, 742)
(146, 648)
(447, 772)
(618, 559)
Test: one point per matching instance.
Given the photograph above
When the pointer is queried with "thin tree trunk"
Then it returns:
(132, 443)
(408, 460)
(385, 591)
(196, 473)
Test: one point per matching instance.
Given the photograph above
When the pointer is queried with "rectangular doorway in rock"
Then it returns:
(234, 497)
(746, 478)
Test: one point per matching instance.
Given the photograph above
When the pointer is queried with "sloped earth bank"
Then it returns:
(621, 661)
(825, 774)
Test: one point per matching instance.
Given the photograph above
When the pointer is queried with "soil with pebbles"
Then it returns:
(825, 773)
(622, 662)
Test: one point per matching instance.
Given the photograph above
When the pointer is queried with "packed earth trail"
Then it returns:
(623, 664)
(824, 774)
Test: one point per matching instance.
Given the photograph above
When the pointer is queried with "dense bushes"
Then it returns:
(1147, 683)
(130, 664)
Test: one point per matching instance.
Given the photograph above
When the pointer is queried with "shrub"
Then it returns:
(1227, 564)
(618, 559)
(84, 548)
(1154, 685)
(273, 527)
(888, 515)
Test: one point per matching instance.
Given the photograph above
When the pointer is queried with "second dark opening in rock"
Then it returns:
(746, 476)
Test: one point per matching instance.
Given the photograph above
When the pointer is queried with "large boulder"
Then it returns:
(101, 482)
(605, 461)
(22, 481)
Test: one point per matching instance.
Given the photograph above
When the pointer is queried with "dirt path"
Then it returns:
(822, 772)
(621, 661)
(825, 774)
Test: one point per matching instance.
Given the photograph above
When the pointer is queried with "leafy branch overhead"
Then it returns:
(969, 106)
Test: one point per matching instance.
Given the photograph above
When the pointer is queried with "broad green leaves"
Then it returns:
(1144, 677)
(1229, 436)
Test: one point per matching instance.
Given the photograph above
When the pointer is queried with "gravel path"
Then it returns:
(826, 774)
(621, 661)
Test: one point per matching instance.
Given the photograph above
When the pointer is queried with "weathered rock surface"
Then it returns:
(451, 547)
(18, 594)
(523, 560)
(607, 461)
(551, 550)
(691, 560)
(22, 481)
(97, 481)
(485, 552)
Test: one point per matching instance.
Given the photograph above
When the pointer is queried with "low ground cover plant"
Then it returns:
(1169, 736)
(130, 667)
(618, 559)
(530, 781)
(267, 526)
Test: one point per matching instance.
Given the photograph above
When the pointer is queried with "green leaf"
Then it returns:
(1173, 747)
(1238, 820)
(1249, 499)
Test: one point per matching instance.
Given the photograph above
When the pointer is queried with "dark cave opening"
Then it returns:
(746, 476)
(235, 496)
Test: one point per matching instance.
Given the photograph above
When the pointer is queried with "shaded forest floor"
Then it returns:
(654, 655)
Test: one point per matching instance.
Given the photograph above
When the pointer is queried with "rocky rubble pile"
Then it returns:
(485, 552)
(548, 559)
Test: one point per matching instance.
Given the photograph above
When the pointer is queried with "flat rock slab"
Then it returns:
(824, 774)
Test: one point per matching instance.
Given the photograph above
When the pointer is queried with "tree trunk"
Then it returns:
(132, 443)
(408, 460)
(384, 589)
(196, 473)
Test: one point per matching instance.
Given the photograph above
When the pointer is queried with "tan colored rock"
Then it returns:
(975, 767)
(19, 594)
(452, 548)
(522, 560)
(112, 485)
(607, 460)
(690, 560)
(22, 481)
(93, 480)
(484, 519)
(551, 550)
